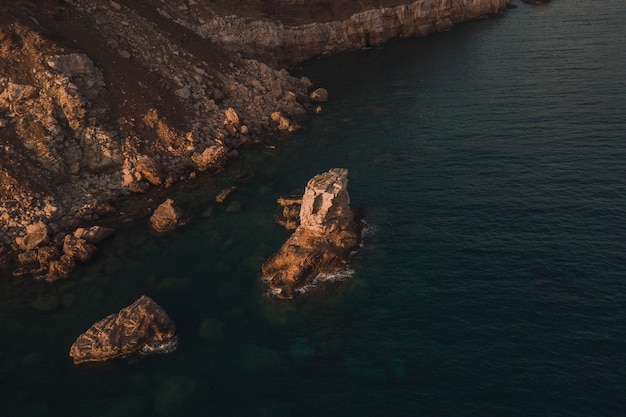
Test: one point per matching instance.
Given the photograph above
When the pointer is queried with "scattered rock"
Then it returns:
(141, 328)
(94, 234)
(283, 122)
(36, 234)
(213, 157)
(166, 217)
(46, 254)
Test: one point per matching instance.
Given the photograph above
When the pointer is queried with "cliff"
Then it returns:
(100, 101)
(289, 43)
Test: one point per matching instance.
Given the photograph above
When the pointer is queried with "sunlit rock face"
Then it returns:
(142, 327)
(328, 233)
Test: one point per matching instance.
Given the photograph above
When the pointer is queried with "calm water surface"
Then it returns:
(490, 162)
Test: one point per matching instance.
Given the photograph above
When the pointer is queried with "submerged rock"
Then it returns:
(328, 233)
(141, 328)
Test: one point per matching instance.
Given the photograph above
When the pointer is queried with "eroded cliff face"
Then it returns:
(100, 100)
(288, 43)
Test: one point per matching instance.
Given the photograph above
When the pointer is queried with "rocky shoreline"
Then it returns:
(100, 101)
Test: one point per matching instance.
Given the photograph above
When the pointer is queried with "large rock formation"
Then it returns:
(328, 233)
(141, 328)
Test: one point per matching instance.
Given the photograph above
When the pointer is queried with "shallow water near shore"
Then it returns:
(490, 163)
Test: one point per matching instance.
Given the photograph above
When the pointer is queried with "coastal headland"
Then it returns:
(104, 101)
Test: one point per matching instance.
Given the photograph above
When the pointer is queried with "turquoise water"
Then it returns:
(490, 163)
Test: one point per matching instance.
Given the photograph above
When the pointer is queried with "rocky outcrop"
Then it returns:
(141, 328)
(124, 97)
(328, 233)
(275, 41)
(166, 217)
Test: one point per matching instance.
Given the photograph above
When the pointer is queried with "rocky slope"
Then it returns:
(100, 100)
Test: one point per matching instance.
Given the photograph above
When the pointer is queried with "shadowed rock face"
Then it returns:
(328, 233)
(142, 327)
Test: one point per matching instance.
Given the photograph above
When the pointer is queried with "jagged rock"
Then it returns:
(47, 254)
(231, 116)
(149, 170)
(224, 194)
(28, 257)
(326, 203)
(212, 157)
(141, 328)
(319, 95)
(36, 234)
(166, 217)
(94, 234)
(283, 122)
(60, 268)
(289, 217)
(328, 233)
(78, 248)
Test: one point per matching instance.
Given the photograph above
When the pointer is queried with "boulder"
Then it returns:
(60, 268)
(166, 217)
(141, 328)
(328, 233)
(46, 254)
(77, 248)
(319, 95)
(94, 234)
(36, 234)
(214, 156)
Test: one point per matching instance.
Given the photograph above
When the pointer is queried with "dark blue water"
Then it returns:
(491, 164)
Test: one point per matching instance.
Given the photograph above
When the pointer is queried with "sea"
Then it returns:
(490, 163)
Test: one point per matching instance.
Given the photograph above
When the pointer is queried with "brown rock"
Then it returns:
(141, 328)
(224, 194)
(78, 248)
(328, 233)
(94, 234)
(149, 170)
(212, 157)
(60, 268)
(36, 234)
(166, 217)
(46, 254)
(289, 217)
(28, 257)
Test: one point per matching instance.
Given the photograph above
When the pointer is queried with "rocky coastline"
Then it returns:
(102, 101)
